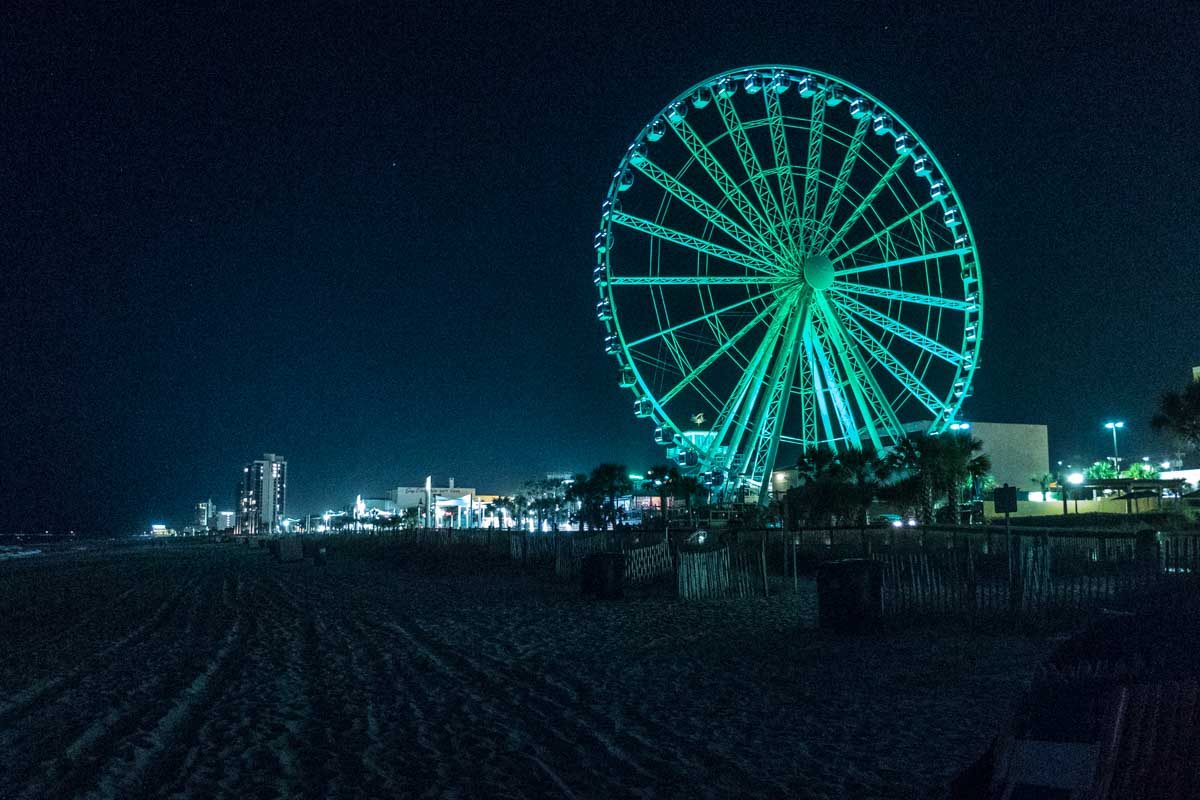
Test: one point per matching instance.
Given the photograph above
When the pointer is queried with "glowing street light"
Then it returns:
(1075, 478)
(1114, 427)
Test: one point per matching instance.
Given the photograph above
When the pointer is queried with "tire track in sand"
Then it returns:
(568, 736)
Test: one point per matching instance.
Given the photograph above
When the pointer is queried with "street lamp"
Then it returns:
(1114, 427)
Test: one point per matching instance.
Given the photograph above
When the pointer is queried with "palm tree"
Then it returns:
(689, 488)
(964, 464)
(1179, 414)
(581, 492)
(661, 480)
(824, 495)
(499, 506)
(610, 481)
(866, 473)
(915, 458)
(937, 465)
(1043, 480)
(818, 463)
(519, 505)
(1100, 470)
(1141, 471)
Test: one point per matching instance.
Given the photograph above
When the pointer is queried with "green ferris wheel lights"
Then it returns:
(782, 263)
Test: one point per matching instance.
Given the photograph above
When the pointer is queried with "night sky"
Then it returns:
(363, 239)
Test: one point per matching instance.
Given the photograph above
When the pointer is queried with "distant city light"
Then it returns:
(1165, 465)
(960, 426)
(1037, 497)
(1075, 478)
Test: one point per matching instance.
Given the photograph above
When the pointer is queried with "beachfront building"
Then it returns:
(262, 496)
(440, 506)
(205, 515)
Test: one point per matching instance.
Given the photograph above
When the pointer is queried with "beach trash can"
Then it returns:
(603, 575)
(850, 595)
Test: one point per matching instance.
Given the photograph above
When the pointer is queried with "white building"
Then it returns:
(262, 496)
(452, 507)
(1019, 452)
(205, 515)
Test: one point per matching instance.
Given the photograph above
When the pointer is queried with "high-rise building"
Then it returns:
(262, 496)
(205, 516)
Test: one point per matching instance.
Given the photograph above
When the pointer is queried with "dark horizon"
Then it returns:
(364, 242)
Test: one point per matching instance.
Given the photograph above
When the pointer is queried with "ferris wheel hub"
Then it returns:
(818, 271)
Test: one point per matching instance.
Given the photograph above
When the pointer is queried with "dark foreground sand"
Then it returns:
(212, 672)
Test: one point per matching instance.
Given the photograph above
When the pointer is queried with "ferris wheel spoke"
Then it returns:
(866, 202)
(728, 186)
(812, 174)
(894, 367)
(704, 208)
(701, 318)
(905, 297)
(750, 163)
(808, 405)
(885, 231)
(820, 383)
(899, 329)
(840, 356)
(773, 410)
(899, 262)
(724, 348)
(843, 178)
(747, 386)
(700, 280)
(792, 219)
(876, 409)
(692, 242)
(835, 384)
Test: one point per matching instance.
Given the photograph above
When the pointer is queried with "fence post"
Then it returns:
(762, 558)
(1015, 569)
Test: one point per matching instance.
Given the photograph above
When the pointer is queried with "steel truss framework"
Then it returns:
(782, 263)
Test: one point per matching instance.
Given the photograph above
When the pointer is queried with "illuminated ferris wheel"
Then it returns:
(783, 263)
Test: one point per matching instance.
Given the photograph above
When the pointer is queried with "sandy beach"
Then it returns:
(211, 671)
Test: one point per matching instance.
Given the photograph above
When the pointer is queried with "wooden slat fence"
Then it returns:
(574, 547)
(644, 564)
(727, 571)
(532, 548)
(982, 572)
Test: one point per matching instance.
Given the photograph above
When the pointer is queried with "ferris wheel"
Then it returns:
(782, 264)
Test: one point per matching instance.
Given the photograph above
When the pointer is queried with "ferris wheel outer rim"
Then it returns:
(952, 404)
